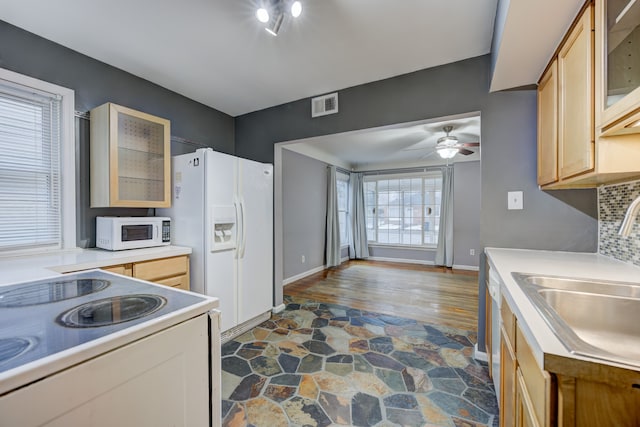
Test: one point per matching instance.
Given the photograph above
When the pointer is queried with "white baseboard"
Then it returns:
(403, 260)
(238, 330)
(466, 267)
(278, 309)
(303, 275)
(479, 355)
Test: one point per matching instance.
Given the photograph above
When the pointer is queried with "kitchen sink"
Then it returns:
(599, 319)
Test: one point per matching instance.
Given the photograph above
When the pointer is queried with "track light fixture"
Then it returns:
(272, 12)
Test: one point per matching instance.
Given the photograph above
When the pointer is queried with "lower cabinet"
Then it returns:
(508, 366)
(598, 395)
(527, 398)
(124, 269)
(172, 271)
(568, 392)
(525, 414)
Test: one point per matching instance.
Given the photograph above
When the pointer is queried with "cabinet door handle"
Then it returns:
(635, 385)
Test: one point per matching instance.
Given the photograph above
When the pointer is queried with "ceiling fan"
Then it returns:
(448, 146)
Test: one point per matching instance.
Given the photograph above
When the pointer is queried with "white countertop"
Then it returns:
(39, 266)
(580, 265)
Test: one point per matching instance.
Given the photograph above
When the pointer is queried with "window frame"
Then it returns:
(427, 174)
(67, 159)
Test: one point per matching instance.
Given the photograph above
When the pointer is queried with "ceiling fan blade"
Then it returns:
(470, 144)
(464, 151)
(415, 149)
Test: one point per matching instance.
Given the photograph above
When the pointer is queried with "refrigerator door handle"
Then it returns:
(239, 229)
(244, 230)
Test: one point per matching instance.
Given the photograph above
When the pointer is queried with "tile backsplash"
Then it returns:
(613, 201)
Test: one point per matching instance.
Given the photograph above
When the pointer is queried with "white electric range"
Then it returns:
(55, 325)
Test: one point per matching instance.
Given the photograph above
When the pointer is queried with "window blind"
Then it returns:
(30, 187)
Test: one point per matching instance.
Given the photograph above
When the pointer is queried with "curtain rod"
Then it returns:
(406, 170)
(339, 169)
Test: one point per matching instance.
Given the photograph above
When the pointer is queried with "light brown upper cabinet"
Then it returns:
(548, 126)
(130, 158)
(575, 124)
(618, 41)
(577, 146)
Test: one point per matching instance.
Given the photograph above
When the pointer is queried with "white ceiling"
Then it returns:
(396, 146)
(217, 53)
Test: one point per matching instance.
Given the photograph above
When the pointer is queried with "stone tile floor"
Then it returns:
(319, 364)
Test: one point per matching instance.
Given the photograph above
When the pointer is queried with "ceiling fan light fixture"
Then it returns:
(447, 140)
(447, 152)
(296, 9)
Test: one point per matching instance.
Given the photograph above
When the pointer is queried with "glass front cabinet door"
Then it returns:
(130, 158)
(618, 47)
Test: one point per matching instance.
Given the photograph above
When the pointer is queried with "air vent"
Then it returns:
(325, 104)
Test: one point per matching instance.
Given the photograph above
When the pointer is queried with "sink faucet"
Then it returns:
(629, 218)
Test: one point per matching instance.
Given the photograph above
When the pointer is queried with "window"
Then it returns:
(37, 165)
(403, 210)
(342, 184)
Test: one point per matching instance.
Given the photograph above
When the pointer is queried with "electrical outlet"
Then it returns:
(472, 252)
(303, 259)
(514, 200)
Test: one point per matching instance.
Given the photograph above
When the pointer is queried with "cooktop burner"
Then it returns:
(110, 311)
(11, 348)
(48, 292)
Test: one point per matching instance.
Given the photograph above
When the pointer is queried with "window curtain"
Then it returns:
(332, 249)
(444, 251)
(358, 243)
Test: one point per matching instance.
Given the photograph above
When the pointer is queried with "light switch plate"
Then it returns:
(514, 200)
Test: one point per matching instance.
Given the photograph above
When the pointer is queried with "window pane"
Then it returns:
(342, 221)
(30, 213)
(343, 194)
(403, 211)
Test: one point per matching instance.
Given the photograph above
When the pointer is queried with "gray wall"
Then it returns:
(304, 200)
(556, 221)
(466, 213)
(95, 83)
(421, 255)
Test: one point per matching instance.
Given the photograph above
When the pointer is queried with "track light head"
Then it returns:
(274, 26)
(263, 15)
(296, 9)
(272, 13)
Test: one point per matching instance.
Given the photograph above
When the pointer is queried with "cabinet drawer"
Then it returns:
(537, 382)
(509, 323)
(161, 268)
(180, 282)
(124, 269)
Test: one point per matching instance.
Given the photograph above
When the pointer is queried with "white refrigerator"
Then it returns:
(222, 208)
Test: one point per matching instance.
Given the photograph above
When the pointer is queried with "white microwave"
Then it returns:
(116, 233)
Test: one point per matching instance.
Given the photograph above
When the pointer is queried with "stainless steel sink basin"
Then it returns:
(598, 319)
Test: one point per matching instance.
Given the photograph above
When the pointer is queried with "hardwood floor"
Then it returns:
(433, 295)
